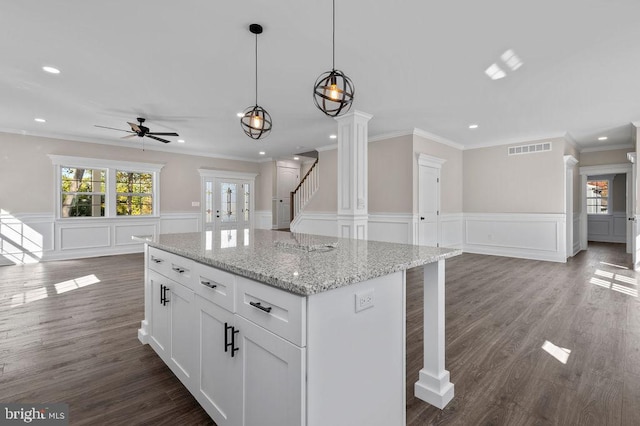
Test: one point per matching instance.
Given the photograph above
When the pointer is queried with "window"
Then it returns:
(90, 187)
(83, 192)
(134, 193)
(598, 196)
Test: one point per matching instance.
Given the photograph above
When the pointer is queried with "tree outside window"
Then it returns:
(134, 193)
(83, 192)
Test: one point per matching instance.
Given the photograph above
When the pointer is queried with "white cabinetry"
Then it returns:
(253, 354)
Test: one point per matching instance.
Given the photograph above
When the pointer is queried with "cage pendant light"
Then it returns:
(333, 92)
(255, 120)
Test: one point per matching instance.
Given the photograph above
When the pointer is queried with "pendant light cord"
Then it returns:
(256, 69)
(334, 35)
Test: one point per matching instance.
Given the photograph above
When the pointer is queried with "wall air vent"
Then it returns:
(529, 149)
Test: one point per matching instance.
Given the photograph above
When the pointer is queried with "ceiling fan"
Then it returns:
(142, 131)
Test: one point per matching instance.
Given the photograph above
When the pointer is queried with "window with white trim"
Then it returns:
(598, 195)
(91, 187)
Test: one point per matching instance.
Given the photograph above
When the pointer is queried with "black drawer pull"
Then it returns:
(157, 260)
(178, 269)
(209, 284)
(259, 306)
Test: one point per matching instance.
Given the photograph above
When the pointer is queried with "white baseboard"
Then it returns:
(528, 236)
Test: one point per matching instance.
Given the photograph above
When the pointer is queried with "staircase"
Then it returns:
(303, 193)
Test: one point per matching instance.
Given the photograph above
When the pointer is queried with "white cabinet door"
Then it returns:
(218, 385)
(159, 334)
(182, 360)
(273, 380)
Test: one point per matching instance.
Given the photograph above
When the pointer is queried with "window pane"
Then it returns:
(134, 193)
(82, 180)
(598, 197)
(82, 205)
(245, 187)
(228, 202)
(134, 205)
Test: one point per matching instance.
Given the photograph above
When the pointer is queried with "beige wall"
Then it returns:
(494, 182)
(451, 176)
(264, 186)
(26, 173)
(616, 156)
(326, 198)
(390, 175)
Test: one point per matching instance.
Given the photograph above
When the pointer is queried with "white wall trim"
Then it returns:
(71, 161)
(430, 161)
(228, 174)
(515, 141)
(539, 236)
(606, 148)
(451, 230)
(262, 219)
(605, 169)
(435, 138)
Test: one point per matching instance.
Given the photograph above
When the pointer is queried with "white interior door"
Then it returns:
(631, 216)
(287, 180)
(429, 206)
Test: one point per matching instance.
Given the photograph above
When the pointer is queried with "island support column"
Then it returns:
(433, 385)
(353, 206)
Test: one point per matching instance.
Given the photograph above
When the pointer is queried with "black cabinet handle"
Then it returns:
(233, 341)
(259, 306)
(227, 327)
(178, 269)
(209, 284)
(157, 260)
(421, 217)
(164, 295)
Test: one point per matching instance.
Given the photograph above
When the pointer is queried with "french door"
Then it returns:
(227, 204)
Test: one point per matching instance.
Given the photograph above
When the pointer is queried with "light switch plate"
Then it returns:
(195, 204)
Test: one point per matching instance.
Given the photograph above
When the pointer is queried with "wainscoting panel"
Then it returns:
(607, 228)
(174, 223)
(83, 236)
(319, 223)
(451, 230)
(123, 233)
(262, 219)
(529, 236)
(391, 227)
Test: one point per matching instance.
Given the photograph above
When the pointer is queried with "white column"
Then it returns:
(433, 385)
(353, 209)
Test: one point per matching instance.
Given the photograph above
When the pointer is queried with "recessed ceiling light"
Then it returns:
(333, 136)
(296, 158)
(180, 140)
(603, 138)
(473, 126)
(261, 153)
(51, 70)
(240, 115)
(40, 120)
(511, 59)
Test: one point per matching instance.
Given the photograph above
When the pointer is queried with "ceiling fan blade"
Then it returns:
(134, 127)
(129, 136)
(158, 139)
(112, 128)
(163, 133)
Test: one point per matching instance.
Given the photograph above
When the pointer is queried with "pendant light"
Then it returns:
(255, 120)
(333, 92)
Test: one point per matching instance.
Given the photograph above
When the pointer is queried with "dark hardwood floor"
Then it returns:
(68, 333)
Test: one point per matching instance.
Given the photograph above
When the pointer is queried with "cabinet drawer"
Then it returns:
(278, 311)
(172, 266)
(215, 285)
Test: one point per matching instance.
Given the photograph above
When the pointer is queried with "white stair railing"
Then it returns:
(305, 190)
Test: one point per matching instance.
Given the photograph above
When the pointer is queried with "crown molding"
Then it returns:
(514, 141)
(606, 148)
(436, 138)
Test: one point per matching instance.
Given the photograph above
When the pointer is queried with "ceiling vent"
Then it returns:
(529, 149)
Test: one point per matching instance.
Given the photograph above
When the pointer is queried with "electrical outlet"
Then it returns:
(364, 300)
(195, 204)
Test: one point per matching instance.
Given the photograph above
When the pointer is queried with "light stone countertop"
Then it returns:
(303, 264)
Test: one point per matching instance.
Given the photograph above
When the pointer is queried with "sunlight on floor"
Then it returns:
(19, 243)
(614, 265)
(625, 285)
(561, 354)
(60, 288)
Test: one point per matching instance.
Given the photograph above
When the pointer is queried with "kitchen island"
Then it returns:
(277, 328)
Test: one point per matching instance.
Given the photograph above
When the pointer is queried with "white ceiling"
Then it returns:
(188, 67)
